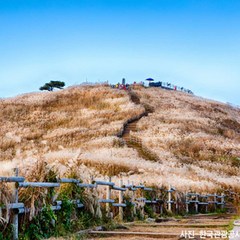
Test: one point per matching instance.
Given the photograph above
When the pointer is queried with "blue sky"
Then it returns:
(191, 43)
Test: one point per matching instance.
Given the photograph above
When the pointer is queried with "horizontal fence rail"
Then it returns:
(167, 198)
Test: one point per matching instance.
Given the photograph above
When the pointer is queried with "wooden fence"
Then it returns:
(159, 199)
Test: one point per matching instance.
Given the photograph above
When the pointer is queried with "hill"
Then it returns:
(196, 141)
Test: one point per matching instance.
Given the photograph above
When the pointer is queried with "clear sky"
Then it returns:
(191, 43)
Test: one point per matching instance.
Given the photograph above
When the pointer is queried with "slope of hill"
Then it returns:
(196, 140)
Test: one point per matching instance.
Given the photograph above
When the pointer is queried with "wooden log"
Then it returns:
(12, 179)
(151, 201)
(147, 189)
(86, 185)
(106, 201)
(105, 183)
(222, 196)
(222, 201)
(38, 184)
(203, 196)
(169, 199)
(120, 202)
(68, 180)
(119, 188)
(211, 195)
(58, 203)
(202, 203)
(134, 212)
(27, 210)
(139, 186)
(119, 205)
(80, 205)
(215, 200)
(196, 203)
(212, 202)
(141, 199)
(193, 201)
(15, 217)
(187, 202)
(14, 206)
(55, 208)
(192, 194)
(108, 196)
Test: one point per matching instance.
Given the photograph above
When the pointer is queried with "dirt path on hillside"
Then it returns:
(192, 227)
(131, 127)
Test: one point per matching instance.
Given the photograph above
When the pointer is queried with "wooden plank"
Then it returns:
(38, 184)
(80, 205)
(13, 206)
(147, 189)
(106, 201)
(151, 201)
(141, 199)
(12, 179)
(119, 188)
(27, 210)
(104, 183)
(86, 185)
(192, 194)
(68, 180)
(119, 205)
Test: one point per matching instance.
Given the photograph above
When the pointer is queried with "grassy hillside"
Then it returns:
(196, 140)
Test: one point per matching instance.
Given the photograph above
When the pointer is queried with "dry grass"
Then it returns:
(200, 137)
(37, 124)
(196, 140)
(36, 198)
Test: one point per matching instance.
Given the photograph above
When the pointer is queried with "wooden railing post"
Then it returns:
(176, 200)
(108, 196)
(169, 199)
(120, 201)
(222, 201)
(15, 217)
(187, 203)
(143, 204)
(215, 201)
(196, 203)
(133, 201)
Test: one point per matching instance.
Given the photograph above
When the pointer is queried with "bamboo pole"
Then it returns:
(120, 201)
(15, 217)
